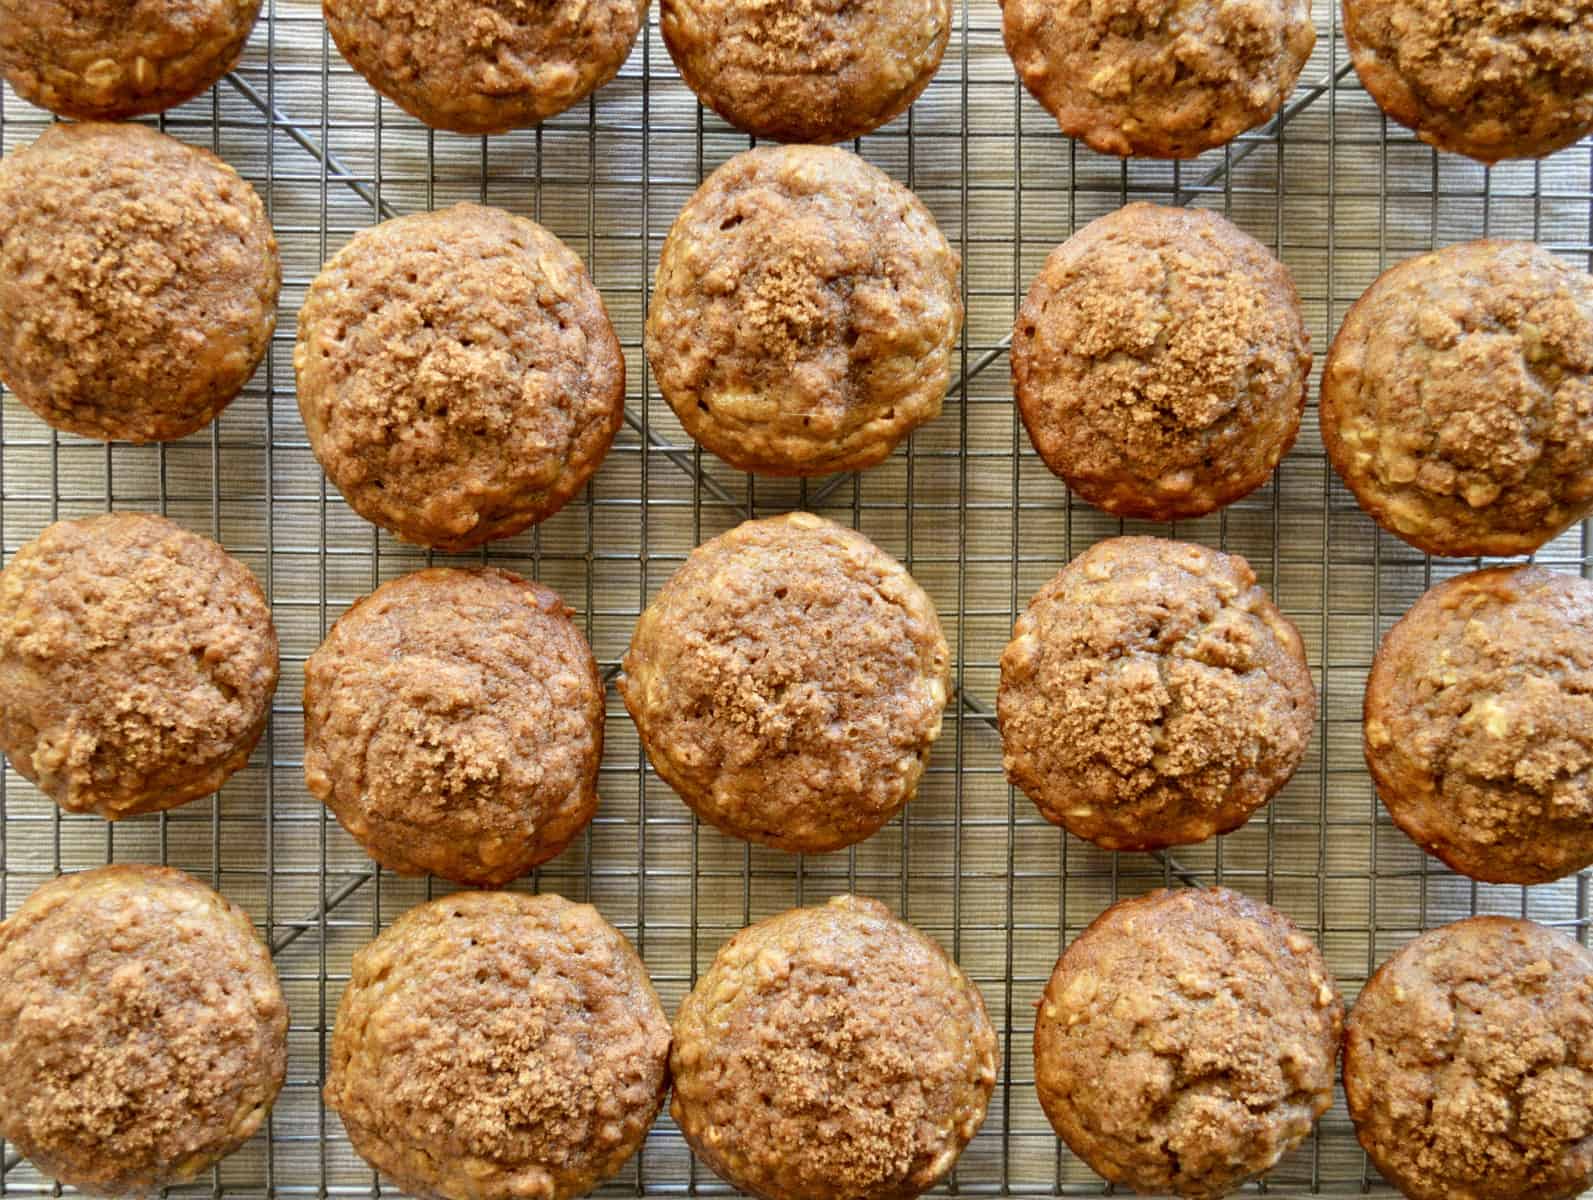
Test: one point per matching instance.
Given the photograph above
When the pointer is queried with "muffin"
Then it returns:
(453, 722)
(142, 1027)
(1187, 1041)
(1479, 724)
(1468, 1064)
(832, 1052)
(1160, 362)
(137, 664)
(1152, 695)
(1455, 399)
(1488, 80)
(804, 314)
(788, 682)
(492, 1045)
(138, 281)
(1164, 78)
(458, 375)
(494, 66)
(100, 60)
(816, 71)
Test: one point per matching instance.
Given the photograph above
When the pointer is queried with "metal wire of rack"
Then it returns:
(1329, 184)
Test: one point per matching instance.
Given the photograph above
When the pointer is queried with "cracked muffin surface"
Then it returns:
(1479, 724)
(137, 664)
(1152, 695)
(453, 722)
(138, 282)
(1187, 1041)
(1468, 1064)
(1490, 80)
(806, 70)
(832, 1053)
(804, 314)
(458, 375)
(788, 682)
(488, 66)
(99, 60)
(493, 1045)
(1160, 362)
(1165, 78)
(1457, 400)
(142, 1027)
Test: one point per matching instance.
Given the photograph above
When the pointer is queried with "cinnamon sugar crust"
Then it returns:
(458, 376)
(1457, 400)
(832, 1053)
(1490, 81)
(817, 71)
(1187, 1041)
(492, 1045)
(138, 282)
(453, 722)
(488, 68)
(788, 682)
(1160, 362)
(1468, 1064)
(1165, 78)
(1152, 695)
(103, 60)
(137, 664)
(142, 1028)
(804, 314)
(1479, 724)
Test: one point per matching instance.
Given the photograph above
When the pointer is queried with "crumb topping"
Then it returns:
(458, 375)
(453, 722)
(805, 312)
(137, 664)
(142, 1026)
(497, 1045)
(1187, 1040)
(1457, 401)
(138, 281)
(1168, 78)
(1160, 362)
(844, 1032)
(489, 66)
(1479, 723)
(788, 682)
(1469, 1064)
(1152, 695)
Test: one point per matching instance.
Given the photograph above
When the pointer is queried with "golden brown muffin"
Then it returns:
(788, 683)
(1152, 695)
(1487, 79)
(832, 1053)
(1187, 1041)
(453, 722)
(458, 375)
(492, 1046)
(810, 71)
(109, 59)
(488, 67)
(1468, 1064)
(137, 664)
(138, 282)
(1479, 724)
(1165, 78)
(142, 1028)
(1160, 362)
(804, 314)
(1455, 400)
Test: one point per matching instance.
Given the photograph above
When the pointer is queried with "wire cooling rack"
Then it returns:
(1336, 190)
